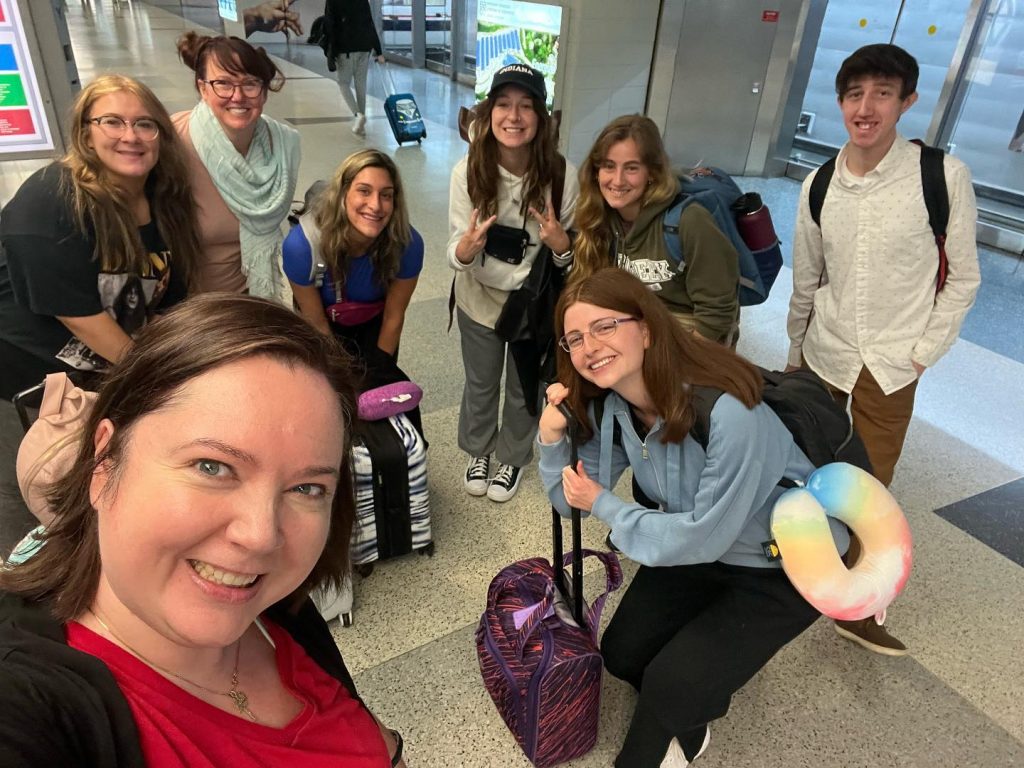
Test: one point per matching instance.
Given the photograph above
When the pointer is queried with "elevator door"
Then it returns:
(721, 63)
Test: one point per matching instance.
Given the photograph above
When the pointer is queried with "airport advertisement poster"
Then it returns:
(515, 32)
(228, 9)
(23, 126)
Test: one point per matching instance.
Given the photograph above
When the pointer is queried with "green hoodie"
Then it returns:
(704, 289)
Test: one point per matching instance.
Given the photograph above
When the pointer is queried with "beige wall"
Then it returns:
(607, 64)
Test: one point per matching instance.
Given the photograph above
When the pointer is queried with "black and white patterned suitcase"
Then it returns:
(392, 501)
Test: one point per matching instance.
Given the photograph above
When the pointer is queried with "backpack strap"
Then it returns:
(936, 200)
(933, 186)
(670, 225)
(703, 400)
(819, 188)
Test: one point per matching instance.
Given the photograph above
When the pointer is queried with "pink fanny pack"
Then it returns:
(389, 400)
(354, 312)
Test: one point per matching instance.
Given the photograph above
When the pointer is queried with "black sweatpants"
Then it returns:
(687, 638)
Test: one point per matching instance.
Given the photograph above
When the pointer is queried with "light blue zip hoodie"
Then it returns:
(717, 503)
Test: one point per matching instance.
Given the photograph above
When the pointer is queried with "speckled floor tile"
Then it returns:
(817, 704)
(429, 597)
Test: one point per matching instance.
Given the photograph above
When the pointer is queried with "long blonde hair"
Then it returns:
(593, 215)
(336, 231)
(102, 209)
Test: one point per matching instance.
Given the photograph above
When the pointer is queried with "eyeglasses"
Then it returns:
(145, 128)
(599, 329)
(225, 89)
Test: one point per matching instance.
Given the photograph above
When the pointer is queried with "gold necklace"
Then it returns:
(238, 696)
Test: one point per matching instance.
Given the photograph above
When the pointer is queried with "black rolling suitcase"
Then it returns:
(392, 501)
(403, 114)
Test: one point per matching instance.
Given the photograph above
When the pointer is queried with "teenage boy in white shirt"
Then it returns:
(865, 315)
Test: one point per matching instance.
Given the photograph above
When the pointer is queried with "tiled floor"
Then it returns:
(958, 700)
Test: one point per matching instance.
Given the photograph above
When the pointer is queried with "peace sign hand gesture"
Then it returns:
(474, 238)
(551, 232)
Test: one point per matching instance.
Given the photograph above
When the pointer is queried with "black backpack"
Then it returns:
(801, 400)
(933, 186)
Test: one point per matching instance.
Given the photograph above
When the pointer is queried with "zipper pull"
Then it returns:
(644, 453)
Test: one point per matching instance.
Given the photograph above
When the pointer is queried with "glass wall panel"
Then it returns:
(467, 64)
(928, 29)
(438, 30)
(396, 17)
(989, 131)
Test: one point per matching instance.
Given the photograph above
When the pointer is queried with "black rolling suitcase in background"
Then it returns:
(403, 114)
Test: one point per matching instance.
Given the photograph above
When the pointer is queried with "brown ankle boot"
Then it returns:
(871, 635)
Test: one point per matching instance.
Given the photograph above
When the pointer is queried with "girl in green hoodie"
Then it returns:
(626, 186)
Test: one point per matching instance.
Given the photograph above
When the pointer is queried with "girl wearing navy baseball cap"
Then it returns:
(511, 204)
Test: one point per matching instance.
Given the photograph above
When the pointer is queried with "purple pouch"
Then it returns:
(389, 400)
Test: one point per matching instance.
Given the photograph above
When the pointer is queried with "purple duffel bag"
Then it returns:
(541, 668)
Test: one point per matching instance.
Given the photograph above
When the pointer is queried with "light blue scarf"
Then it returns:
(258, 188)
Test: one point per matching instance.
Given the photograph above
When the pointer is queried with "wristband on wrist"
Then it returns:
(397, 757)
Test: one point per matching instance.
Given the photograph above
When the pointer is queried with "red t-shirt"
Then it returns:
(177, 729)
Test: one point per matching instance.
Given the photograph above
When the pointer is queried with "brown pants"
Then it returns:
(881, 420)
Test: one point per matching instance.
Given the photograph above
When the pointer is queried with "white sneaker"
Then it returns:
(676, 758)
(505, 483)
(359, 126)
(477, 475)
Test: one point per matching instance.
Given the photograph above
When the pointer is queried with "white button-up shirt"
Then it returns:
(870, 272)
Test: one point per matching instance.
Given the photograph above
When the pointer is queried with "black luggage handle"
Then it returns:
(572, 428)
(26, 399)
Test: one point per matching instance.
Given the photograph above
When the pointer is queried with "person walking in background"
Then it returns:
(96, 243)
(501, 219)
(244, 165)
(626, 186)
(868, 313)
(353, 36)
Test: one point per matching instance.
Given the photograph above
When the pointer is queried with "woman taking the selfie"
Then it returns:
(501, 218)
(165, 621)
(97, 242)
(706, 609)
(354, 260)
(626, 186)
(244, 165)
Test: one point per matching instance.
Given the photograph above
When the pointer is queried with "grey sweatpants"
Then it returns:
(353, 67)
(484, 355)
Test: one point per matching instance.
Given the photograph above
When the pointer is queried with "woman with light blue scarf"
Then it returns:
(244, 166)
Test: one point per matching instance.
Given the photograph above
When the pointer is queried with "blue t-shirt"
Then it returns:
(361, 283)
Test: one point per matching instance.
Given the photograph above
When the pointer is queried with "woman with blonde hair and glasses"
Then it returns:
(353, 259)
(626, 186)
(244, 165)
(116, 209)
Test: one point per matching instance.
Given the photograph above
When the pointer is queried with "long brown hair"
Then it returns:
(482, 166)
(233, 54)
(674, 358)
(203, 333)
(336, 231)
(593, 215)
(101, 207)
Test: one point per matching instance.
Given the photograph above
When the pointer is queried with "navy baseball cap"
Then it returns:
(526, 77)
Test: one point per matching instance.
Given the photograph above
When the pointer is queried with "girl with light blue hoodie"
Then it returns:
(707, 609)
